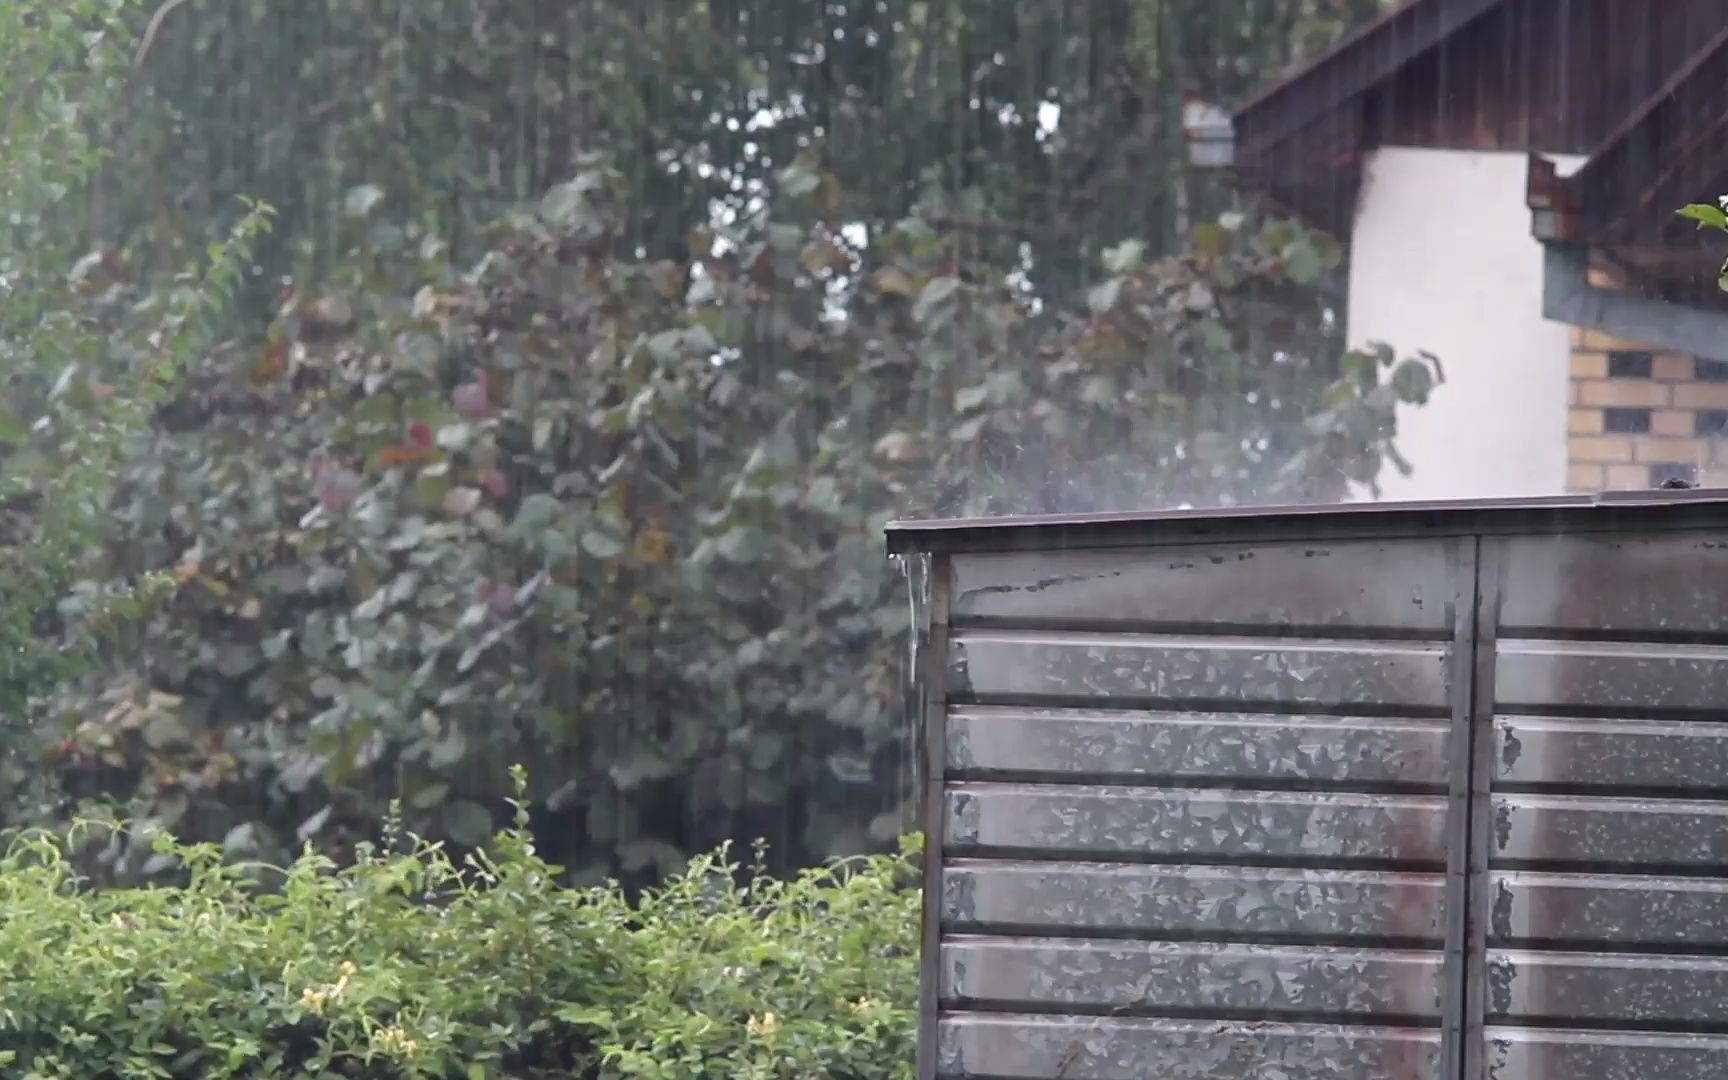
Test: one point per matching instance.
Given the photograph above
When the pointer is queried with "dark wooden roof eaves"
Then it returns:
(1350, 69)
(1671, 150)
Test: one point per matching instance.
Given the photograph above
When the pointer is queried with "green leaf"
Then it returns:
(468, 823)
(1707, 216)
(1124, 257)
(1102, 296)
(601, 545)
(12, 430)
(1412, 381)
(313, 825)
(936, 297)
(362, 200)
(968, 398)
(1302, 264)
(1209, 239)
(461, 501)
(429, 796)
(742, 544)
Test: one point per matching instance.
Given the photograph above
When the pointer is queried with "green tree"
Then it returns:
(572, 442)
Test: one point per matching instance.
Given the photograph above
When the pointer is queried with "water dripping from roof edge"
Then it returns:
(915, 573)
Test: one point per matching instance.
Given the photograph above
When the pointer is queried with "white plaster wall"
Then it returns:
(1442, 259)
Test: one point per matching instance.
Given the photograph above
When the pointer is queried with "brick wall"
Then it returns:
(1639, 416)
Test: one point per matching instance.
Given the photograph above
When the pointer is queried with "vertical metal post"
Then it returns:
(1490, 572)
(1465, 557)
(934, 806)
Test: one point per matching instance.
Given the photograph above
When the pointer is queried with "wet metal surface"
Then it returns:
(1607, 851)
(1062, 666)
(1611, 755)
(1196, 977)
(1071, 744)
(1607, 989)
(1225, 902)
(1544, 675)
(1042, 1047)
(1629, 586)
(1214, 788)
(1289, 585)
(1527, 1054)
(1611, 910)
(1194, 824)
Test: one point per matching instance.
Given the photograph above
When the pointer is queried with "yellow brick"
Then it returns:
(1625, 393)
(1597, 341)
(1587, 365)
(1671, 422)
(1702, 395)
(1670, 450)
(1608, 449)
(1584, 478)
(1672, 367)
(1625, 477)
(1603, 277)
(1584, 421)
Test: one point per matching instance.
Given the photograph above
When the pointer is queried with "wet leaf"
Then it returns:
(313, 825)
(1124, 257)
(600, 545)
(1707, 216)
(468, 823)
(462, 500)
(1103, 296)
(362, 200)
(936, 297)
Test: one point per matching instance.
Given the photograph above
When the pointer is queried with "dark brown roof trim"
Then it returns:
(1350, 68)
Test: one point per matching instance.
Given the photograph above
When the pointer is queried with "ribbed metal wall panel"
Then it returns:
(1602, 950)
(1442, 795)
(1201, 812)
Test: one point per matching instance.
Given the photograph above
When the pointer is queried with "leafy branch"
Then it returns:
(1711, 217)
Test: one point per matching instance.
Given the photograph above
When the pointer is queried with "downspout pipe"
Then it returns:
(1569, 297)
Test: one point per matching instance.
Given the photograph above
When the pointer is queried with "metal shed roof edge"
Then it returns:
(1624, 510)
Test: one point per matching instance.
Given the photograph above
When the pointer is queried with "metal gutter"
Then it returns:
(1654, 508)
(1569, 297)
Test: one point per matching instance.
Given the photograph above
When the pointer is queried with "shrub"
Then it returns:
(408, 964)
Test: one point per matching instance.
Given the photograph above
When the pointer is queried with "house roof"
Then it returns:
(1671, 149)
(1641, 92)
(1350, 68)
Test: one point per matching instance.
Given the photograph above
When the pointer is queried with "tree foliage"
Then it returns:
(576, 448)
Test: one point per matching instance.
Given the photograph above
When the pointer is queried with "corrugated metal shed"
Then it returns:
(1377, 792)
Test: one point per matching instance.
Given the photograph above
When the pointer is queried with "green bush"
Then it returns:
(407, 964)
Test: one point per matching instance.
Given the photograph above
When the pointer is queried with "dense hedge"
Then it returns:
(409, 965)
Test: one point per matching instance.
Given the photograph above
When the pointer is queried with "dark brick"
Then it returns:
(1661, 474)
(1626, 421)
(1710, 370)
(1626, 364)
(1710, 422)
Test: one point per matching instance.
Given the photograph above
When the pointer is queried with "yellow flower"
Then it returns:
(763, 1026)
(863, 1004)
(394, 1038)
(347, 969)
(313, 1000)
